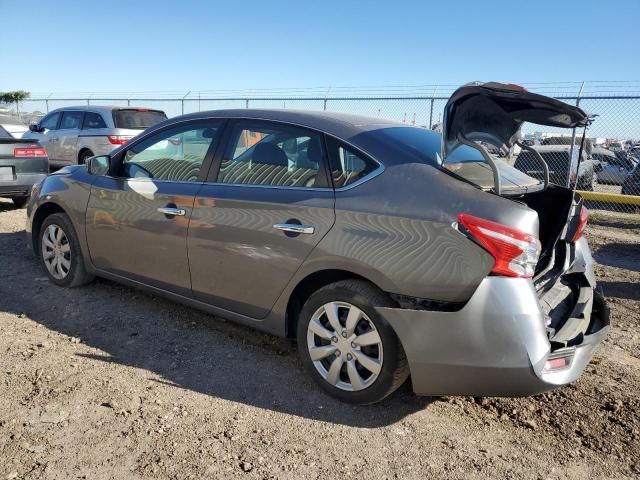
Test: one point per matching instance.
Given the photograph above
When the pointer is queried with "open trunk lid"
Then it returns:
(493, 113)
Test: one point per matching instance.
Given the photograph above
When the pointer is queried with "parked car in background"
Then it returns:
(631, 184)
(351, 234)
(73, 134)
(558, 158)
(614, 167)
(15, 130)
(23, 163)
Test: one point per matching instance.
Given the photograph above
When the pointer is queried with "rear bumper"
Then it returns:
(498, 344)
(21, 185)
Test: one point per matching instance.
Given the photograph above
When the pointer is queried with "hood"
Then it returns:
(68, 170)
(493, 112)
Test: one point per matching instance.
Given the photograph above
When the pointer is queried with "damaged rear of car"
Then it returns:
(534, 322)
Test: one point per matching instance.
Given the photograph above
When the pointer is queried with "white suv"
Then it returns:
(71, 135)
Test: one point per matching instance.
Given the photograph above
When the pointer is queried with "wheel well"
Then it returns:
(85, 149)
(43, 212)
(306, 288)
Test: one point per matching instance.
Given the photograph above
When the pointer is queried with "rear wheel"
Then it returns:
(84, 156)
(351, 351)
(20, 202)
(60, 253)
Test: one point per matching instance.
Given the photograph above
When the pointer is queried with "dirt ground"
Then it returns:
(108, 382)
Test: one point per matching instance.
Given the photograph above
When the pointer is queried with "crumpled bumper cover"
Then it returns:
(496, 345)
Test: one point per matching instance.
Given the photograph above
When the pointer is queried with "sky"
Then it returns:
(93, 46)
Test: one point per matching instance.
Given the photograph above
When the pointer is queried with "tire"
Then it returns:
(349, 380)
(84, 156)
(20, 202)
(70, 271)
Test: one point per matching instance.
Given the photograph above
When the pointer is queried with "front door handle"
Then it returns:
(295, 228)
(173, 211)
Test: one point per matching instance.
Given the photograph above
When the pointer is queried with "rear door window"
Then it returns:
(71, 120)
(271, 154)
(137, 119)
(347, 165)
(93, 120)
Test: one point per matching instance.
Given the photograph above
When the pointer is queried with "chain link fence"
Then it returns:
(609, 175)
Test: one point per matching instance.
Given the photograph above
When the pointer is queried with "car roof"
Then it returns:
(603, 151)
(100, 108)
(553, 148)
(341, 125)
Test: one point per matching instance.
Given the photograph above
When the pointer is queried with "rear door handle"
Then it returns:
(295, 228)
(173, 211)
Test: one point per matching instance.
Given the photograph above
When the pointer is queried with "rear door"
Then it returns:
(137, 218)
(67, 136)
(267, 204)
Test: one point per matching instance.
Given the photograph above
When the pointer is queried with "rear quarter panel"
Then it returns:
(396, 230)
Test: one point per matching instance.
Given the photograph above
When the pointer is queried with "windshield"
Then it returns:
(137, 119)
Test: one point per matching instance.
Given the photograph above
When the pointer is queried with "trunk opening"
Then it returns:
(553, 206)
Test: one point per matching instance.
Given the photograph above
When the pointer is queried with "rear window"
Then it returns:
(137, 119)
(418, 143)
(4, 133)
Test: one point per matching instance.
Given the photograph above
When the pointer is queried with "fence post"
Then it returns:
(47, 102)
(128, 102)
(325, 105)
(182, 100)
(573, 144)
(246, 103)
(433, 95)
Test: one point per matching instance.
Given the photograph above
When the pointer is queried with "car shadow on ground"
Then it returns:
(620, 255)
(626, 290)
(181, 346)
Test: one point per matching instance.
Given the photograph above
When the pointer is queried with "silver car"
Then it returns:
(386, 250)
(71, 135)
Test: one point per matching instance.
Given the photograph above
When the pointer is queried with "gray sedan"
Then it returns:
(386, 250)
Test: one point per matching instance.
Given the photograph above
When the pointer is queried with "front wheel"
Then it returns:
(347, 347)
(60, 253)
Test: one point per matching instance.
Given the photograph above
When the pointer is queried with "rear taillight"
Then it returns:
(119, 139)
(30, 151)
(516, 253)
(584, 216)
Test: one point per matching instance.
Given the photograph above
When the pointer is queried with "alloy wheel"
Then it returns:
(56, 252)
(344, 346)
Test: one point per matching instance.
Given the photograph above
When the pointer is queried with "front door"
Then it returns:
(252, 228)
(47, 134)
(67, 136)
(137, 219)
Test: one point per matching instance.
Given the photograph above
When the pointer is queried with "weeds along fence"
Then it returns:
(608, 176)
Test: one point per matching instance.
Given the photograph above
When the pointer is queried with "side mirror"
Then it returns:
(34, 127)
(99, 165)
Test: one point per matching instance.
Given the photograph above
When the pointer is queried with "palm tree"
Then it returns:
(14, 97)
